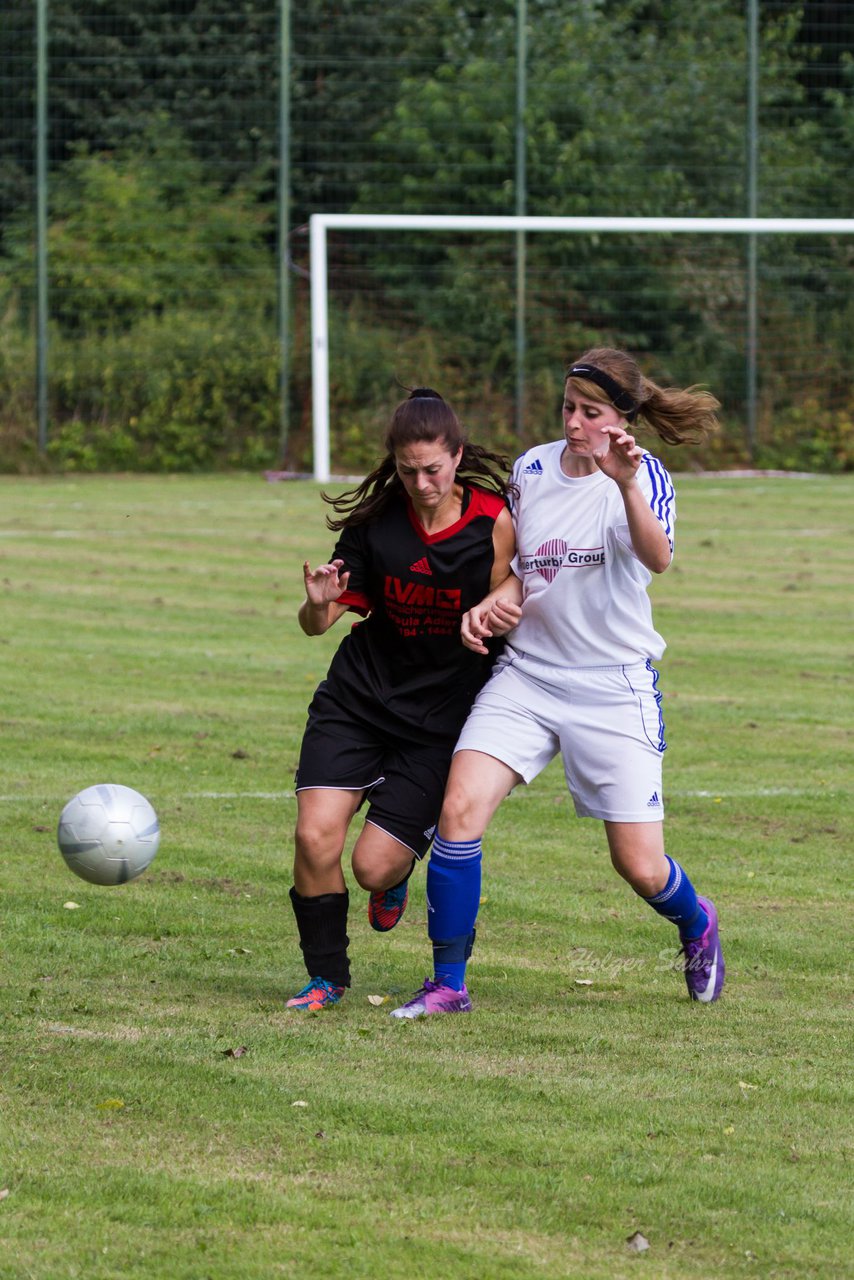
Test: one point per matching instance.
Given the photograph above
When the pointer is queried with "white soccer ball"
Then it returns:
(108, 834)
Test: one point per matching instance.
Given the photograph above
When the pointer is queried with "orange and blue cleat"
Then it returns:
(386, 906)
(318, 994)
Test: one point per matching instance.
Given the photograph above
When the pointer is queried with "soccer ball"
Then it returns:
(108, 834)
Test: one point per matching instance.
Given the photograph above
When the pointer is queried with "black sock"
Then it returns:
(322, 925)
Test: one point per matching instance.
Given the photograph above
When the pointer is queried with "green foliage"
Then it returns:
(590, 150)
(163, 348)
(210, 66)
(17, 387)
(139, 232)
(179, 393)
(162, 164)
(376, 365)
(811, 437)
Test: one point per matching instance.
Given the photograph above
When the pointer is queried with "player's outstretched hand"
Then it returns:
(326, 583)
(620, 455)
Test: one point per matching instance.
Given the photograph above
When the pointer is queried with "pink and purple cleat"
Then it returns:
(433, 997)
(704, 961)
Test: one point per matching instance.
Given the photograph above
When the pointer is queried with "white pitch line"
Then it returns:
(761, 791)
(516, 795)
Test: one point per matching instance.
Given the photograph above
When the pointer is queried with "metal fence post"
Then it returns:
(752, 352)
(284, 206)
(521, 201)
(41, 224)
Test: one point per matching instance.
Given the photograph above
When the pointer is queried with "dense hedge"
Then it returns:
(188, 390)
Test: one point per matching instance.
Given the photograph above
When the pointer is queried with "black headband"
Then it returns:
(424, 393)
(619, 398)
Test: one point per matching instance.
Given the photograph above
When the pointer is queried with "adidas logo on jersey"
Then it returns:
(534, 468)
(421, 566)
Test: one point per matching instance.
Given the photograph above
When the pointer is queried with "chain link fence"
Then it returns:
(159, 163)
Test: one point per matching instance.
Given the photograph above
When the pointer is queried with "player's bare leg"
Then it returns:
(637, 852)
(476, 786)
(383, 865)
(319, 895)
(323, 818)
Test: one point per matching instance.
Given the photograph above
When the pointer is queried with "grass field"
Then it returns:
(148, 636)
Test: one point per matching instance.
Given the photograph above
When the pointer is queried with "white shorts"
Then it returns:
(605, 722)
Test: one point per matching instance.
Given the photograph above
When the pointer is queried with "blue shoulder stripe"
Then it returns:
(663, 498)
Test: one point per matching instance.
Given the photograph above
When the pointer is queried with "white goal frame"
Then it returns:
(320, 223)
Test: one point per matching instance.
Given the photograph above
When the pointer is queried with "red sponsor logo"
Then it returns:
(416, 595)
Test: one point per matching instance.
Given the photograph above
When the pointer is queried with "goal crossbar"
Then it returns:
(320, 223)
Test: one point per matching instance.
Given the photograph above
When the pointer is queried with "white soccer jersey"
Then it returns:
(586, 601)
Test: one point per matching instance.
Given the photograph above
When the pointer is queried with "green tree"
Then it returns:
(634, 107)
(139, 231)
(163, 343)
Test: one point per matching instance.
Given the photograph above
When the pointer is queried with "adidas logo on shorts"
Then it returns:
(654, 801)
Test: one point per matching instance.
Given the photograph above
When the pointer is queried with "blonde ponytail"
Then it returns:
(675, 414)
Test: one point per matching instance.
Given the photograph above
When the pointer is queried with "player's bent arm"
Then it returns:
(620, 459)
(649, 539)
(503, 548)
(317, 618)
(496, 614)
(323, 588)
(508, 591)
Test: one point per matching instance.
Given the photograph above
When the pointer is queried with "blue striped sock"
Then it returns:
(678, 903)
(453, 899)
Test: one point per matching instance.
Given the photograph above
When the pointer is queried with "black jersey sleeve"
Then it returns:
(352, 548)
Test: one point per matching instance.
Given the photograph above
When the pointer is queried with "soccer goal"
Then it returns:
(322, 223)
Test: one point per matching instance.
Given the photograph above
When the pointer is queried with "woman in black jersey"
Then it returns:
(421, 540)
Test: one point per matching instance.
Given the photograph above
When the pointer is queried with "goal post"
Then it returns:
(321, 223)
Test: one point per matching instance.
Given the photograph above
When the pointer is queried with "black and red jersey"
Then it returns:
(404, 667)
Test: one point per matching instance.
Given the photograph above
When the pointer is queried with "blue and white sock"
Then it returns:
(678, 903)
(453, 899)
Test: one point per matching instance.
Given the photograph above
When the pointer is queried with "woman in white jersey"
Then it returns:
(594, 517)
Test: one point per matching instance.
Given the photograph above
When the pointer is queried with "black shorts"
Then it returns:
(404, 781)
